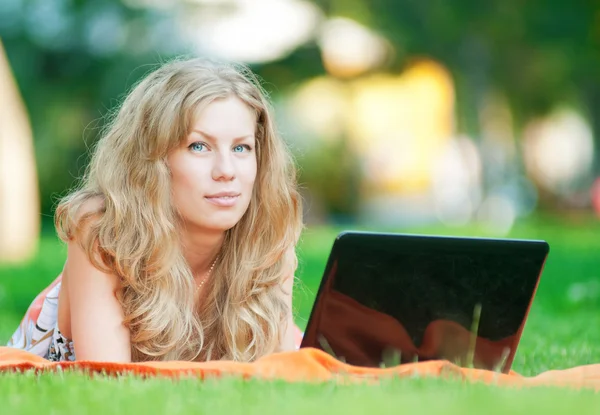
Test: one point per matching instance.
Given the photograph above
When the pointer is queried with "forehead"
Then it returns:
(225, 118)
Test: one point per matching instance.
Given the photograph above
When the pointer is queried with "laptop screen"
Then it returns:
(416, 298)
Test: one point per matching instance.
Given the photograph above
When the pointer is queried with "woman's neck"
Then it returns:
(201, 249)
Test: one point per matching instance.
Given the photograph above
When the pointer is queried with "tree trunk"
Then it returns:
(19, 198)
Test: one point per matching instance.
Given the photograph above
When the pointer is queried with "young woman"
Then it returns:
(181, 236)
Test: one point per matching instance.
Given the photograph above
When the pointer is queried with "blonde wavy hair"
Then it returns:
(134, 232)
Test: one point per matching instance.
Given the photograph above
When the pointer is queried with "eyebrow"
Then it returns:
(210, 137)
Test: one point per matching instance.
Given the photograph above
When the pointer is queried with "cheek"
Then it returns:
(250, 174)
(179, 181)
(178, 190)
(187, 182)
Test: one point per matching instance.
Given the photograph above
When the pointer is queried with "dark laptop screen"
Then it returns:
(422, 298)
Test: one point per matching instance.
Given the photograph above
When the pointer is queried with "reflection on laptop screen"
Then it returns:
(421, 298)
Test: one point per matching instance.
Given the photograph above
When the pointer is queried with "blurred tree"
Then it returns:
(534, 54)
(19, 201)
(72, 58)
(332, 174)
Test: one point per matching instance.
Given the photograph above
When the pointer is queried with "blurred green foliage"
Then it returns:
(331, 173)
(75, 59)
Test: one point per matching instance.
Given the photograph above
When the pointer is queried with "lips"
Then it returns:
(223, 199)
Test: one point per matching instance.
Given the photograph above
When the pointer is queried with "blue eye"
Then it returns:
(241, 148)
(197, 146)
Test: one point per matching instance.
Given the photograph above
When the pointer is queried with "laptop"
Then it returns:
(388, 299)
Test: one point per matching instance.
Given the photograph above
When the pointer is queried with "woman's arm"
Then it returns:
(97, 328)
(288, 342)
(288, 338)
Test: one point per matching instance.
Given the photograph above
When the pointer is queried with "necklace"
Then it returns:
(206, 275)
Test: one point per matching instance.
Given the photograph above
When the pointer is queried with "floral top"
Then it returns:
(38, 332)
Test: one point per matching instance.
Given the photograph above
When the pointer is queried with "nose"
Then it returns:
(223, 167)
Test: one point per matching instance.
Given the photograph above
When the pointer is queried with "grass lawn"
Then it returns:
(563, 331)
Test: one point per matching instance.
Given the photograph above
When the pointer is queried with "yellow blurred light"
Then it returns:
(558, 149)
(401, 129)
(322, 107)
(399, 123)
(456, 181)
(349, 49)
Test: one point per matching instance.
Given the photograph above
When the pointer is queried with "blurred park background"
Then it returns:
(461, 117)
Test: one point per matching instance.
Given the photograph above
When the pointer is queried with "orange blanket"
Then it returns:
(306, 365)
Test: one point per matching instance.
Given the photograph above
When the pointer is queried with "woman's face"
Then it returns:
(213, 172)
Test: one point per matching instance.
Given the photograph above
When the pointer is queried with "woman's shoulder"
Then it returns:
(85, 254)
(77, 215)
(75, 210)
(79, 231)
(90, 206)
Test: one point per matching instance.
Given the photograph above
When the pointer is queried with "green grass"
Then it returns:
(563, 331)
(72, 393)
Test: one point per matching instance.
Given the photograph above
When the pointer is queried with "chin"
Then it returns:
(221, 224)
(224, 226)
